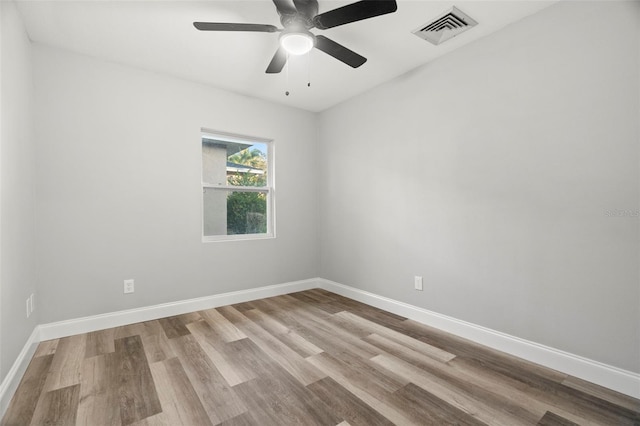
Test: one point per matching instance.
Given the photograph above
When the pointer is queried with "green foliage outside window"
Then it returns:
(247, 211)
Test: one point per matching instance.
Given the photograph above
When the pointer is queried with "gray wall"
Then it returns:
(119, 188)
(17, 200)
(490, 172)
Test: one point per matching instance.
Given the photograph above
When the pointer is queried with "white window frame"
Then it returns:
(269, 190)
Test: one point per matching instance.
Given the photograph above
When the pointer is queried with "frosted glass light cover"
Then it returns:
(297, 43)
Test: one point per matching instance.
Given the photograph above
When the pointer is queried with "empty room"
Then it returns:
(319, 212)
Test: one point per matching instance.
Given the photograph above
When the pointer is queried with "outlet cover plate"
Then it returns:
(417, 283)
(129, 286)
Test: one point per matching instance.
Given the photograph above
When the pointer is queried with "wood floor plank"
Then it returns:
(25, 400)
(600, 392)
(160, 419)
(66, 367)
(372, 396)
(518, 368)
(357, 328)
(179, 400)
(277, 397)
(99, 342)
(211, 343)
(373, 314)
(57, 407)
(290, 338)
(47, 347)
(424, 407)
(346, 404)
(318, 330)
(269, 323)
(571, 404)
(157, 347)
(173, 327)
(439, 388)
(403, 339)
(478, 386)
(272, 304)
(245, 419)
(328, 301)
(305, 297)
(221, 326)
(137, 391)
(244, 306)
(145, 328)
(545, 383)
(272, 404)
(319, 300)
(217, 397)
(551, 419)
(297, 306)
(299, 344)
(309, 358)
(241, 356)
(364, 371)
(233, 315)
(99, 387)
(281, 353)
(599, 410)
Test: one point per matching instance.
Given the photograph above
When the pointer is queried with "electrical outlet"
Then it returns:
(417, 283)
(128, 286)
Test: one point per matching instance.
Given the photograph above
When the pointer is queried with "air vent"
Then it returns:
(446, 26)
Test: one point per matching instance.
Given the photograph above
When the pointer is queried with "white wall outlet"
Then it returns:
(417, 283)
(128, 286)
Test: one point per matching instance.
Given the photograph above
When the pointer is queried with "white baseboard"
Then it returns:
(605, 375)
(12, 379)
(60, 329)
(55, 330)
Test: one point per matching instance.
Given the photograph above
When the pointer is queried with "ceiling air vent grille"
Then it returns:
(446, 26)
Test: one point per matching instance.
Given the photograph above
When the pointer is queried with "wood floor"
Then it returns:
(309, 358)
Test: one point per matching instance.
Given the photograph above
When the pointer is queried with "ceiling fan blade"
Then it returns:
(308, 8)
(277, 62)
(339, 52)
(354, 12)
(224, 26)
(285, 7)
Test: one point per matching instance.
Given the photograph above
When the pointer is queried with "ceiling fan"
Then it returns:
(298, 17)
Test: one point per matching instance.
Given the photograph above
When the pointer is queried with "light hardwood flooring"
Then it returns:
(308, 358)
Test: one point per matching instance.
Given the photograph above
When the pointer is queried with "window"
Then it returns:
(237, 187)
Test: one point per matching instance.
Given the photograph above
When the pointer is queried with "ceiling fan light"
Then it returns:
(297, 43)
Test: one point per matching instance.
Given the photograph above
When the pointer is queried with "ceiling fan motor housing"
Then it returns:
(296, 21)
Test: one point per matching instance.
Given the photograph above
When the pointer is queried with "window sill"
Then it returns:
(242, 237)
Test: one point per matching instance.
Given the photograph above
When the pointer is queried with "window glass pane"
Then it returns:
(234, 212)
(234, 163)
(229, 163)
(248, 167)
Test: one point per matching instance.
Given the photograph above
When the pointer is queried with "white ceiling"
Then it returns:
(159, 36)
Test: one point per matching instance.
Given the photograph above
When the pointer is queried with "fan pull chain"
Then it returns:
(309, 69)
(287, 76)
